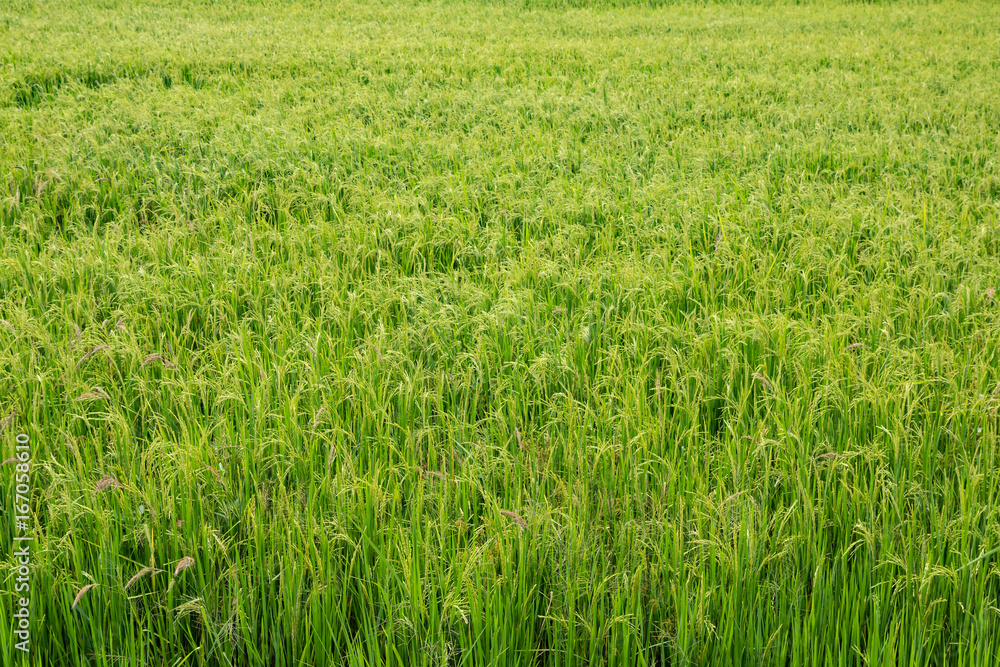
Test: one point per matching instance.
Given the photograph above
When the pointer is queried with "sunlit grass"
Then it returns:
(469, 334)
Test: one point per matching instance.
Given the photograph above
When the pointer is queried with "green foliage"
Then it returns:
(459, 334)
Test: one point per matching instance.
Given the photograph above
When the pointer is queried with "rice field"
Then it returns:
(512, 334)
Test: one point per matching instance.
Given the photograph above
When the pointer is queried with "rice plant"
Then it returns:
(501, 333)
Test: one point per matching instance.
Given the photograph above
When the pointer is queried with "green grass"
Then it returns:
(702, 296)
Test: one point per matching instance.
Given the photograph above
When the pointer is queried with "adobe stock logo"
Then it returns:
(22, 538)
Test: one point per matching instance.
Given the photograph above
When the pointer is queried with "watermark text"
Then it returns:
(22, 542)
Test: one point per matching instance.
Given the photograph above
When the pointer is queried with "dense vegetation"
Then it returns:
(385, 334)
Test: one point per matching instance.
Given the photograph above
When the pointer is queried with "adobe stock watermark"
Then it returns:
(22, 541)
